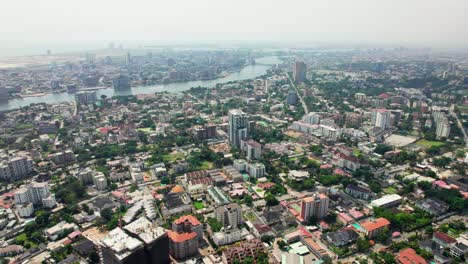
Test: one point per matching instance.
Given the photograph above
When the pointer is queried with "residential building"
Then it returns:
(35, 193)
(409, 256)
(371, 228)
(155, 239)
(13, 168)
(230, 215)
(256, 170)
(227, 236)
(252, 149)
(240, 252)
(119, 247)
(341, 238)
(381, 118)
(314, 207)
(238, 127)
(184, 237)
(443, 129)
(100, 181)
(358, 192)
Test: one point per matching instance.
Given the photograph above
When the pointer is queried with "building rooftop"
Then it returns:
(145, 230)
(181, 237)
(121, 243)
(371, 225)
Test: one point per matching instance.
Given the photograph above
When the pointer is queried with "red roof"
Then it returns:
(181, 237)
(409, 256)
(187, 218)
(376, 224)
(444, 237)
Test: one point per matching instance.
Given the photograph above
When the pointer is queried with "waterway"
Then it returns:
(248, 72)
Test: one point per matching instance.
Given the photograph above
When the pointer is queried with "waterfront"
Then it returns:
(248, 72)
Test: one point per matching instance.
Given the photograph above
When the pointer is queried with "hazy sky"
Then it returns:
(31, 26)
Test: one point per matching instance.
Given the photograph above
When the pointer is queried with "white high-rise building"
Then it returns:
(443, 129)
(312, 118)
(256, 170)
(381, 118)
(100, 181)
(16, 167)
(314, 207)
(35, 193)
(238, 127)
(229, 215)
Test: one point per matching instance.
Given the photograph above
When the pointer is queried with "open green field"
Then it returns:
(390, 190)
(173, 157)
(198, 205)
(428, 144)
(206, 165)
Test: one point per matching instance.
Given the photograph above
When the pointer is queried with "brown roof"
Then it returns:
(181, 237)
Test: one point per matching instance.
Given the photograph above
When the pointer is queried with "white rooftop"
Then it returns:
(144, 229)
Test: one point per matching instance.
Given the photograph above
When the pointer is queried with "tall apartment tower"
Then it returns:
(314, 207)
(381, 118)
(237, 127)
(300, 71)
(229, 215)
(443, 129)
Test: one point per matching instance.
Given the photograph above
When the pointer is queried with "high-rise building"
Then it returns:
(292, 97)
(229, 215)
(443, 129)
(122, 82)
(120, 248)
(155, 239)
(238, 127)
(85, 97)
(252, 148)
(381, 118)
(300, 71)
(12, 168)
(100, 181)
(35, 193)
(314, 207)
(312, 118)
(184, 237)
(256, 170)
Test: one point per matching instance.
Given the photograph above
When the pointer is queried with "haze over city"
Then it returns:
(31, 27)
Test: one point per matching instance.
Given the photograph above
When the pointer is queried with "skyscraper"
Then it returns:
(314, 207)
(237, 127)
(300, 71)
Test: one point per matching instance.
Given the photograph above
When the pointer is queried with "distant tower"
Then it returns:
(122, 82)
(300, 71)
(128, 59)
(292, 97)
(48, 52)
(237, 127)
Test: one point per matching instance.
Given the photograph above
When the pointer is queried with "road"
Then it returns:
(304, 105)
(459, 123)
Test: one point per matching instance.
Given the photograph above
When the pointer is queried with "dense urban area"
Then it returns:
(329, 156)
